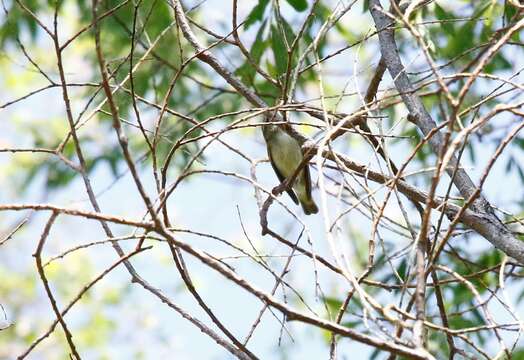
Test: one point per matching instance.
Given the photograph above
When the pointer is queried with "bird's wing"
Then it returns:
(290, 191)
(307, 177)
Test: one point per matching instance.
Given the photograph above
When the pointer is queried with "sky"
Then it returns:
(209, 204)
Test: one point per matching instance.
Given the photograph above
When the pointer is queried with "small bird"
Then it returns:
(285, 156)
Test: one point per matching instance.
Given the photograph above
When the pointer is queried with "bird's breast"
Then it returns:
(286, 153)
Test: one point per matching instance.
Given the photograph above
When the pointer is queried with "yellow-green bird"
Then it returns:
(285, 156)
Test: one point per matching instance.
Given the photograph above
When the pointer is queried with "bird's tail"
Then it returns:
(309, 206)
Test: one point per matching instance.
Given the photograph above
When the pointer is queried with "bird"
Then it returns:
(285, 155)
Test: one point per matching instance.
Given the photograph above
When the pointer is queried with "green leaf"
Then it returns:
(461, 322)
(352, 324)
(159, 12)
(375, 354)
(443, 15)
(257, 50)
(499, 62)
(509, 11)
(518, 354)
(509, 165)
(282, 36)
(333, 304)
(278, 45)
(519, 142)
(267, 90)
(462, 40)
(247, 71)
(520, 172)
(365, 6)
(402, 269)
(256, 14)
(520, 297)
(298, 5)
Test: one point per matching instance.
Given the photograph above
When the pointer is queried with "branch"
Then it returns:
(38, 258)
(483, 220)
(76, 212)
(290, 313)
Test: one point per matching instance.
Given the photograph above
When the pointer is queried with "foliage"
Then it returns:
(310, 61)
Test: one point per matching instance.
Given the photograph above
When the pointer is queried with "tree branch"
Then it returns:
(483, 219)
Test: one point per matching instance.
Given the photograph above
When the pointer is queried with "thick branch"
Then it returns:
(484, 220)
